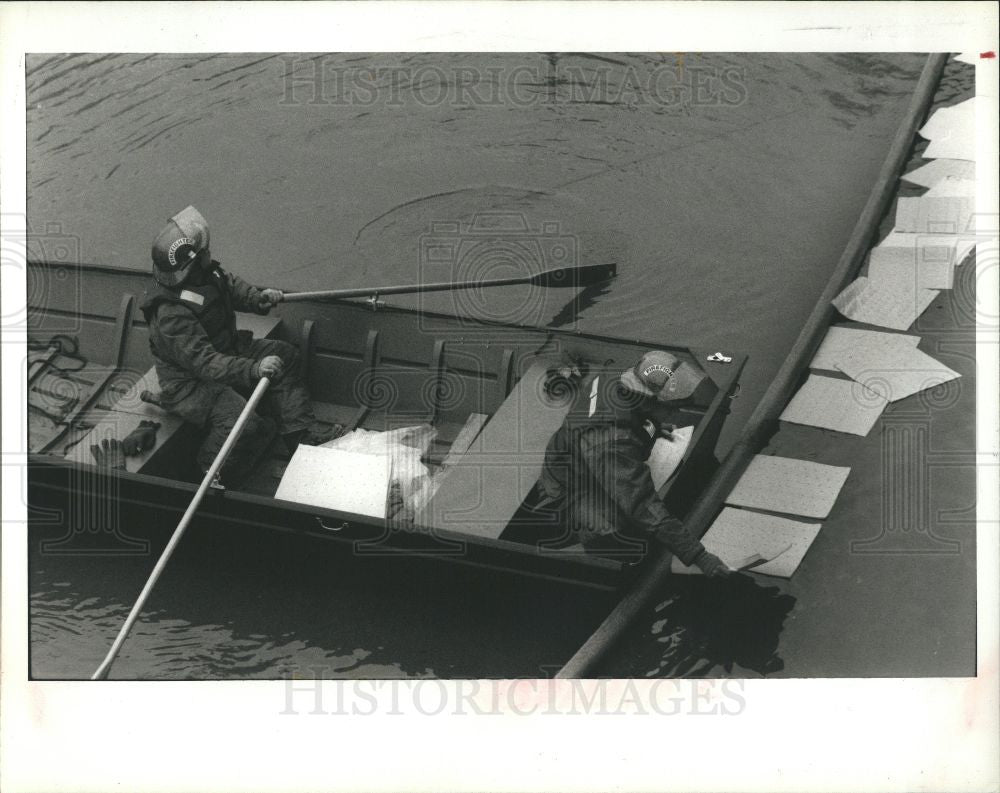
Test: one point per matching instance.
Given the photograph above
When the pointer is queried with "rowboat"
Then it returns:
(480, 385)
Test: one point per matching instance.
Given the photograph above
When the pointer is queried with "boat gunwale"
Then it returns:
(309, 510)
(611, 571)
(707, 416)
(738, 357)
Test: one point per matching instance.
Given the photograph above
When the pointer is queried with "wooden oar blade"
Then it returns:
(559, 277)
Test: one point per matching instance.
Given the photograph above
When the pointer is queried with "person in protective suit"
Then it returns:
(206, 368)
(595, 481)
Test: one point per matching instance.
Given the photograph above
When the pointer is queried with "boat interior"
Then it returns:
(483, 389)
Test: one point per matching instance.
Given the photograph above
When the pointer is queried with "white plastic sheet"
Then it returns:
(909, 271)
(840, 340)
(783, 484)
(347, 481)
(404, 447)
(882, 303)
(835, 404)
(935, 214)
(895, 376)
(933, 172)
(953, 186)
(738, 534)
(666, 455)
(911, 246)
(876, 348)
(952, 130)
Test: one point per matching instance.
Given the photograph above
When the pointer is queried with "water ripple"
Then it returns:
(709, 209)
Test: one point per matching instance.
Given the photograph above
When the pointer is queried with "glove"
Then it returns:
(268, 299)
(152, 397)
(667, 431)
(109, 454)
(141, 438)
(711, 565)
(270, 367)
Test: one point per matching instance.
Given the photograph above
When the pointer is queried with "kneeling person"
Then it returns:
(595, 478)
(205, 367)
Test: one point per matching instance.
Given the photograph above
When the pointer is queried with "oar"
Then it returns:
(556, 277)
(220, 458)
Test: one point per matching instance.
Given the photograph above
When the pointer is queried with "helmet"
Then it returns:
(663, 376)
(177, 247)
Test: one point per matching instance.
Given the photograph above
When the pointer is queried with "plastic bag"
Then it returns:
(410, 479)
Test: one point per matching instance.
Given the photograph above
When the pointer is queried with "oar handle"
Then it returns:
(554, 277)
(405, 289)
(217, 463)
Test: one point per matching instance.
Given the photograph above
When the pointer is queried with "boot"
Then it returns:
(320, 434)
(317, 435)
(293, 439)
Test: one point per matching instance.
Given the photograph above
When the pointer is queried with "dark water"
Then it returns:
(725, 186)
(245, 604)
(711, 627)
(906, 608)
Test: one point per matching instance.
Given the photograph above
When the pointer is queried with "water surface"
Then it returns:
(726, 205)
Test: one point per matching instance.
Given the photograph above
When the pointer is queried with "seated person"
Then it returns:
(595, 479)
(205, 367)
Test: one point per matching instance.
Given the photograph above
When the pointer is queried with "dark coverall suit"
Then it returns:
(596, 479)
(205, 367)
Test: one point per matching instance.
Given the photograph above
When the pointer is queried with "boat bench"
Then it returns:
(451, 442)
(455, 431)
(119, 410)
(330, 413)
(59, 397)
(486, 485)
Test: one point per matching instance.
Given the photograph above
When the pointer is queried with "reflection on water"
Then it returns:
(578, 304)
(724, 216)
(164, 647)
(711, 626)
(238, 602)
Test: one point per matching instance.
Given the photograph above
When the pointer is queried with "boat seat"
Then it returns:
(454, 439)
(486, 486)
(58, 396)
(448, 432)
(121, 413)
(330, 413)
(39, 359)
(120, 409)
(56, 402)
(262, 327)
(266, 475)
